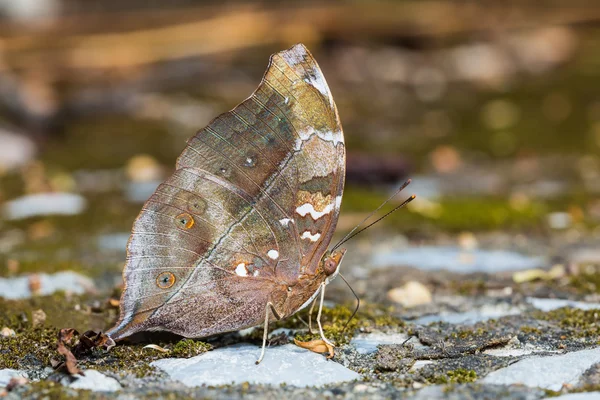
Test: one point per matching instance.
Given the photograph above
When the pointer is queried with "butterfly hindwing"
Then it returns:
(252, 206)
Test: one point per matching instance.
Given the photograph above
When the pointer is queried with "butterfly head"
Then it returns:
(330, 263)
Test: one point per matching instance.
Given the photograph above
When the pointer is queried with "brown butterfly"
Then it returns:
(238, 235)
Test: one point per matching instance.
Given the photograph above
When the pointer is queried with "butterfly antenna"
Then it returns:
(353, 232)
(357, 302)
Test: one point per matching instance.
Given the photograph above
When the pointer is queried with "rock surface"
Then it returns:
(431, 258)
(96, 381)
(44, 204)
(7, 374)
(287, 364)
(546, 372)
(68, 281)
(411, 294)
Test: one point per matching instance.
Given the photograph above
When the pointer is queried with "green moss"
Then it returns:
(45, 266)
(453, 214)
(55, 391)
(459, 375)
(334, 322)
(468, 287)
(90, 143)
(62, 311)
(588, 281)
(37, 345)
(585, 388)
(190, 348)
(468, 333)
(579, 323)
(530, 330)
(552, 393)
(134, 358)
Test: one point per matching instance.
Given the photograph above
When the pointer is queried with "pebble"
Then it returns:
(546, 372)
(42, 204)
(554, 304)
(113, 241)
(16, 150)
(143, 168)
(480, 314)
(411, 294)
(7, 374)
(578, 396)
(96, 382)
(286, 364)
(559, 220)
(367, 343)
(432, 258)
(139, 192)
(6, 332)
(69, 281)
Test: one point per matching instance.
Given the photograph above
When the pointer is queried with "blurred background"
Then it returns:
(492, 108)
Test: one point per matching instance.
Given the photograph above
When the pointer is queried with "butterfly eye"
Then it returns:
(329, 266)
(165, 280)
(185, 220)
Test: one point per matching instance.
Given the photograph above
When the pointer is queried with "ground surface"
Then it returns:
(486, 286)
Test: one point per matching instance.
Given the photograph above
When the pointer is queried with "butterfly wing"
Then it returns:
(253, 202)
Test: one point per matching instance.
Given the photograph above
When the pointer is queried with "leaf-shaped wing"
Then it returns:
(251, 206)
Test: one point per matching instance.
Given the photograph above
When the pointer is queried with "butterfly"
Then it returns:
(238, 235)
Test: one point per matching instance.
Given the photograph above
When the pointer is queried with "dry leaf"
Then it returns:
(318, 346)
(114, 302)
(157, 347)
(90, 340)
(64, 338)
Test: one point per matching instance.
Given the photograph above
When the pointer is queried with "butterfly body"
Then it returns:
(245, 221)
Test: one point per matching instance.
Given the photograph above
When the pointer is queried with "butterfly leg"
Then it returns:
(266, 330)
(319, 315)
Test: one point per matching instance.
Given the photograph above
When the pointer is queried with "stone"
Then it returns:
(367, 343)
(546, 372)
(16, 150)
(41, 204)
(68, 281)
(6, 332)
(96, 381)
(578, 396)
(7, 374)
(411, 294)
(554, 304)
(480, 314)
(286, 364)
(38, 317)
(433, 258)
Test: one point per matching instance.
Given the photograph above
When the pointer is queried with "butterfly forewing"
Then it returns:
(251, 207)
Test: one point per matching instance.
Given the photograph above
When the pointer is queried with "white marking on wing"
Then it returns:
(273, 254)
(329, 136)
(241, 270)
(285, 221)
(338, 202)
(308, 208)
(309, 235)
